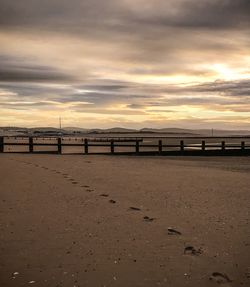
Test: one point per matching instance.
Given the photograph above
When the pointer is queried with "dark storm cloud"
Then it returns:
(126, 57)
(180, 13)
(237, 89)
(235, 94)
(230, 88)
(98, 98)
(31, 75)
(13, 69)
(55, 13)
(157, 35)
(200, 14)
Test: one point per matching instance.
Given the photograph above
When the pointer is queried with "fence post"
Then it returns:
(182, 145)
(137, 146)
(160, 146)
(223, 145)
(59, 144)
(1, 144)
(203, 146)
(242, 145)
(30, 144)
(112, 146)
(86, 147)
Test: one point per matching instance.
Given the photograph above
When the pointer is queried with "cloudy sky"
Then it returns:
(128, 63)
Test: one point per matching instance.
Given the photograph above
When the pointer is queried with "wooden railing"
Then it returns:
(136, 146)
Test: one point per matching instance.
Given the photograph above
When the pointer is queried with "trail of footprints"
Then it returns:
(217, 277)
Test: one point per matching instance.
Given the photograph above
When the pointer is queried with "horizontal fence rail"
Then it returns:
(135, 145)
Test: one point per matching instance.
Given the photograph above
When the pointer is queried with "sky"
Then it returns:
(126, 63)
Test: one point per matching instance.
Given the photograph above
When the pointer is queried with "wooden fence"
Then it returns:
(135, 146)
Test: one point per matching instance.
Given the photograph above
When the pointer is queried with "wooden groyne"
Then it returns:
(115, 146)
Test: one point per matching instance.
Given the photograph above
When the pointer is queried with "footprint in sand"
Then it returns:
(190, 250)
(89, 190)
(134, 208)
(104, 195)
(148, 219)
(73, 181)
(43, 167)
(172, 231)
(248, 273)
(220, 278)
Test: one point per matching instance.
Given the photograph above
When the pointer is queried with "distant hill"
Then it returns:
(223, 132)
(76, 129)
(115, 130)
(42, 129)
(97, 130)
(9, 131)
(201, 132)
(170, 131)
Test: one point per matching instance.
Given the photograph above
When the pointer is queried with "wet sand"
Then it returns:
(69, 220)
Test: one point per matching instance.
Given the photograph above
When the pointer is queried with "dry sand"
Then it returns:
(66, 221)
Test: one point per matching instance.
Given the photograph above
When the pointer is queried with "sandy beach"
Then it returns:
(71, 220)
